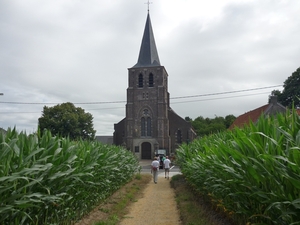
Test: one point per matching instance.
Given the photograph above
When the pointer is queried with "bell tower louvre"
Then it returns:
(150, 124)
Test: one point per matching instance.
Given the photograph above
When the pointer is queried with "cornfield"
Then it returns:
(52, 180)
(252, 174)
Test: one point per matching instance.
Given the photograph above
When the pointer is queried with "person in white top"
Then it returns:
(167, 163)
(155, 169)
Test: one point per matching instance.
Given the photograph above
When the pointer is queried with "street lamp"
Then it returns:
(1, 93)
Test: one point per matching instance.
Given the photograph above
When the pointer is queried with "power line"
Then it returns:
(209, 99)
(55, 103)
(19, 112)
(173, 103)
(227, 92)
(112, 102)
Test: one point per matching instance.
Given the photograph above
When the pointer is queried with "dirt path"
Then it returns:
(157, 207)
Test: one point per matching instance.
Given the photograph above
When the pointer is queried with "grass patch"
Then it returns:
(193, 209)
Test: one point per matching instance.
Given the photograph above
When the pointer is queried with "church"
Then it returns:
(150, 123)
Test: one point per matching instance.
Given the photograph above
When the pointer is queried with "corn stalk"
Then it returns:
(52, 180)
(253, 173)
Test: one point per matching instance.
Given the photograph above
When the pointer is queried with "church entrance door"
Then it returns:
(146, 150)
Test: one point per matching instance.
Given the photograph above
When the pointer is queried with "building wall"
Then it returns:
(150, 98)
(181, 131)
(105, 139)
(119, 134)
(147, 98)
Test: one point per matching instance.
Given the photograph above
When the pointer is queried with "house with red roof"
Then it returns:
(272, 108)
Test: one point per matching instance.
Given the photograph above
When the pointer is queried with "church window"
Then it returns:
(179, 137)
(143, 126)
(146, 128)
(145, 95)
(187, 137)
(141, 80)
(151, 80)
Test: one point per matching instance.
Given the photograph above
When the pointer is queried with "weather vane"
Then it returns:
(148, 3)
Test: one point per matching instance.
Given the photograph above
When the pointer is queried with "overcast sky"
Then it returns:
(79, 51)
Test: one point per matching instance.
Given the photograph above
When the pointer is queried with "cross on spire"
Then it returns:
(148, 3)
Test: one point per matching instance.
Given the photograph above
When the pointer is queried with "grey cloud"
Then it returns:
(79, 51)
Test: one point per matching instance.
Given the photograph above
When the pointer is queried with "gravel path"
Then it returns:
(157, 207)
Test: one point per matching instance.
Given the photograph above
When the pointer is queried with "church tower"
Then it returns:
(146, 127)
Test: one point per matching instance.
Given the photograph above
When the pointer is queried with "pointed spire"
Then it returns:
(148, 53)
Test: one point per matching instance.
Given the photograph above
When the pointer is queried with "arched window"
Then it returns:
(150, 80)
(141, 80)
(179, 137)
(143, 127)
(149, 126)
(146, 128)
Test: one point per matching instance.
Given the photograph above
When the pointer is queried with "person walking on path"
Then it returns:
(167, 163)
(155, 169)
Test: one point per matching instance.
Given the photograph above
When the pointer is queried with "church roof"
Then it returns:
(148, 53)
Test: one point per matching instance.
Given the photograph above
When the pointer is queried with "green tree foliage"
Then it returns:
(291, 92)
(229, 119)
(206, 126)
(66, 120)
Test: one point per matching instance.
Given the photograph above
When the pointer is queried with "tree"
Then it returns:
(66, 120)
(291, 91)
(206, 126)
(229, 119)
